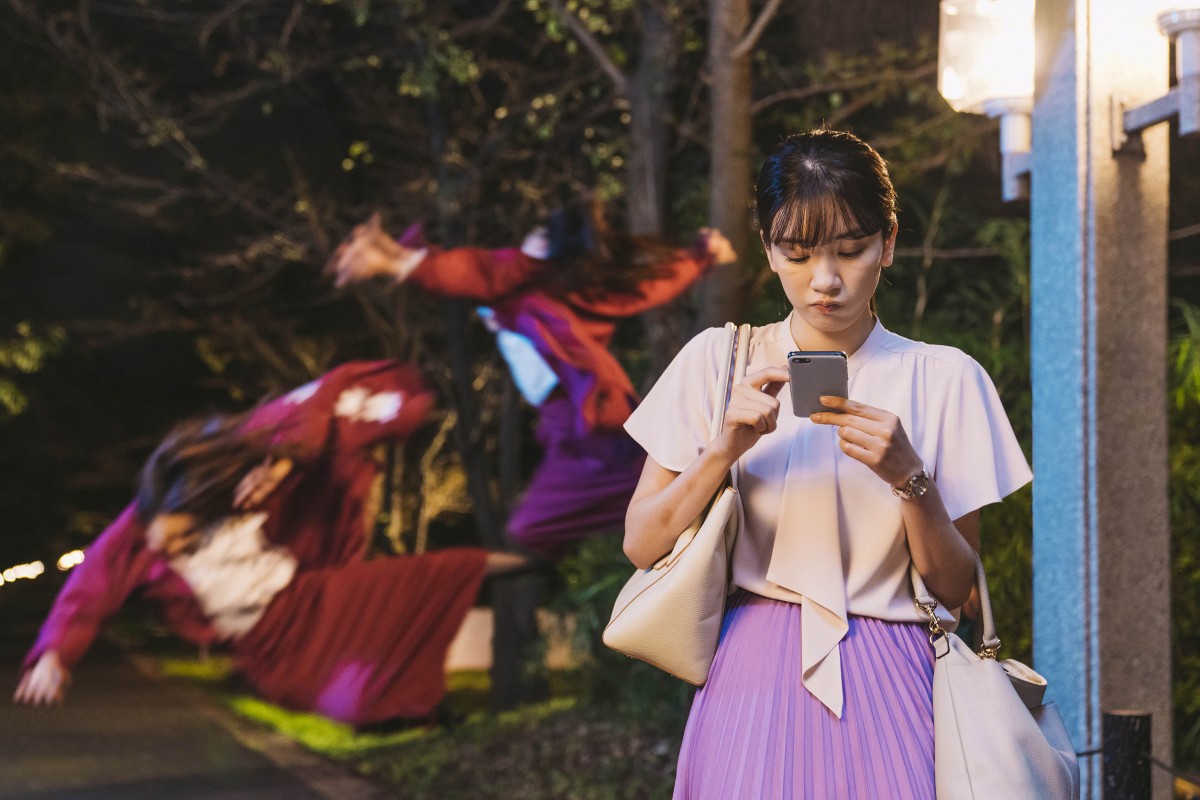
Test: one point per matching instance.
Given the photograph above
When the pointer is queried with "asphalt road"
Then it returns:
(124, 734)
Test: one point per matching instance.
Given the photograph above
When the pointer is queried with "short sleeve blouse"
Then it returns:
(820, 528)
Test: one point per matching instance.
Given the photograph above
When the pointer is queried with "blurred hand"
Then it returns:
(44, 683)
(717, 246)
(258, 484)
(537, 243)
(369, 252)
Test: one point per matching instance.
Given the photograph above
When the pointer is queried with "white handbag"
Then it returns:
(994, 736)
(670, 614)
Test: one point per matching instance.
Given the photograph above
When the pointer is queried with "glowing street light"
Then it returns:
(985, 66)
(68, 560)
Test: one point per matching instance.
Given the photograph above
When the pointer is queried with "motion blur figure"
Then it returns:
(554, 304)
(249, 531)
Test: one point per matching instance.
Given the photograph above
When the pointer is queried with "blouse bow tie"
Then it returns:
(807, 557)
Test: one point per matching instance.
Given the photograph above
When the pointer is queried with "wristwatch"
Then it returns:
(915, 486)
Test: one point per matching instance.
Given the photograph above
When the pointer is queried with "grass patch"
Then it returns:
(317, 733)
(562, 749)
(216, 669)
(559, 749)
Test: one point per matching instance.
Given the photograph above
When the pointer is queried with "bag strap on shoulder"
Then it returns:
(737, 350)
(926, 602)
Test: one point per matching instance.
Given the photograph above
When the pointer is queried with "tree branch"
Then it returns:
(743, 47)
(947, 254)
(840, 86)
(485, 23)
(591, 44)
(1183, 233)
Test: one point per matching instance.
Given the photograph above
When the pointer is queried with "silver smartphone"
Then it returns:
(815, 373)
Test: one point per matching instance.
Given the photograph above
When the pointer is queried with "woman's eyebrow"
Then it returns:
(847, 236)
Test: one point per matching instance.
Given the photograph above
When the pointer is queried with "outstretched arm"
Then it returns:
(114, 565)
(677, 274)
(469, 272)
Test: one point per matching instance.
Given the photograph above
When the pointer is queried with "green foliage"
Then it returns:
(24, 354)
(315, 732)
(1185, 531)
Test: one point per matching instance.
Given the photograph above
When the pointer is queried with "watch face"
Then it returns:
(917, 485)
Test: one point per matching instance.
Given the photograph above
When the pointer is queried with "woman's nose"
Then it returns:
(825, 277)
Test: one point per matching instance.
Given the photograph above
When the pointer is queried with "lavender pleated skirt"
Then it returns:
(755, 732)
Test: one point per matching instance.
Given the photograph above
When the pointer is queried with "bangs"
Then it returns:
(821, 215)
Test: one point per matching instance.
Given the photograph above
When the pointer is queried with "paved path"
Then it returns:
(123, 734)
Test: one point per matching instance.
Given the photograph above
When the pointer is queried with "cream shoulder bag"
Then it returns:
(670, 614)
(993, 734)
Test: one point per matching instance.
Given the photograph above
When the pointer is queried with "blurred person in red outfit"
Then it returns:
(554, 304)
(249, 530)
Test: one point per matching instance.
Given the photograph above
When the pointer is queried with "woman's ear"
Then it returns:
(889, 248)
(767, 250)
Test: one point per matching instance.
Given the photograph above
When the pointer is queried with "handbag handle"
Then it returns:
(734, 370)
(926, 602)
(725, 386)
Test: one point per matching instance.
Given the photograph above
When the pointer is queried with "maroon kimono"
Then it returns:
(359, 641)
(590, 467)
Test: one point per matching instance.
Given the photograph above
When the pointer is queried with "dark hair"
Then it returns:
(197, 466)
(824, 185)
(592, 252)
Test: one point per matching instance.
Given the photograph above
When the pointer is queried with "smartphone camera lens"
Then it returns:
(801, 360)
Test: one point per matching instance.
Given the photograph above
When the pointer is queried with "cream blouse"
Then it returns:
(819, 528)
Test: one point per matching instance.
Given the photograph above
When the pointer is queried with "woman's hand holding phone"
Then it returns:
(872, 436)
(753, 411)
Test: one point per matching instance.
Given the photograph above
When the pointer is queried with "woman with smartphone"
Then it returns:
(822, 682)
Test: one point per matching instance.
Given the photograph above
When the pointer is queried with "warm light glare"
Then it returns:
(34, 569)
(985, 52)
(1154, 8)
(24, 571)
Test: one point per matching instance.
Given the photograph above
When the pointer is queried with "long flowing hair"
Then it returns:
(591, 253)
(197, 467)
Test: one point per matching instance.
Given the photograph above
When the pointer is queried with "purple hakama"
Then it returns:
(582, 485)
(755, 732)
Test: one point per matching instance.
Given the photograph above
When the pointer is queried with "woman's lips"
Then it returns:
(826, 308)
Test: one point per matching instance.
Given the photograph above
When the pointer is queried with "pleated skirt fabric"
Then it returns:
(755, 733)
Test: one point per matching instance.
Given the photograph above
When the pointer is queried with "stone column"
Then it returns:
(1099, 291)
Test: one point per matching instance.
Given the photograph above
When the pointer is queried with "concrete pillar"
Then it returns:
(1099, 257)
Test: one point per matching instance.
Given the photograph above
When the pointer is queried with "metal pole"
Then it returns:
(1126, 755)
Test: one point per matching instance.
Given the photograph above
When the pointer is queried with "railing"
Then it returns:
(1128, 763)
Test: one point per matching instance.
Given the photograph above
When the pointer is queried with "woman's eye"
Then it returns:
(854, 253)
(797, 259)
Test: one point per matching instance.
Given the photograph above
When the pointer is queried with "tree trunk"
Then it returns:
(514, 600)
(648, 93)
(723, 292)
